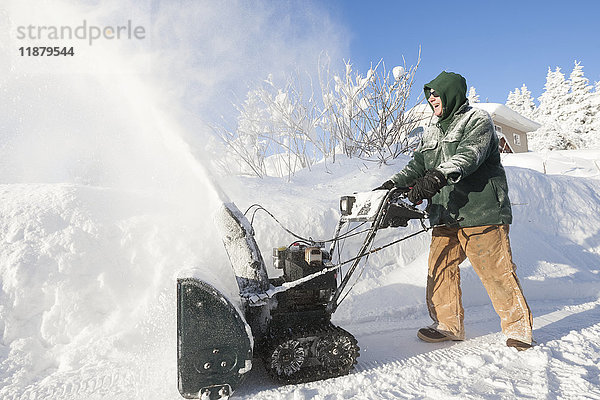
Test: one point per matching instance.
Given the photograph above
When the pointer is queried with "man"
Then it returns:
(457, 169)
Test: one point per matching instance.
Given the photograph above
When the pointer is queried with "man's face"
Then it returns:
(436, 102)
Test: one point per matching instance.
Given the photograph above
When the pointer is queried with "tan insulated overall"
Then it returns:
(488, 250)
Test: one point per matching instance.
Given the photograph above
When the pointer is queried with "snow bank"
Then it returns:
(88, 279)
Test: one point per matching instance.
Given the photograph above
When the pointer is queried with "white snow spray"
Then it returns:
(106, 185)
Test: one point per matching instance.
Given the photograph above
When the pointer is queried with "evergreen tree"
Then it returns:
(512, 101)
(521, 101)
(569, 111)
(579, 110)
(548, 137)
(553, 100)
(473, 97)
(594, 136)
(551, 114)
(526, 103)
(580, 88)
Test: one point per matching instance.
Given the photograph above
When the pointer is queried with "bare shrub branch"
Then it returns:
(284, 128)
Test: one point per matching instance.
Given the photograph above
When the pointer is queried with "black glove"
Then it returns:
(387, 185)
(427, 186)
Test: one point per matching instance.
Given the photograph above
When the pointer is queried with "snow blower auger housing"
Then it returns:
(285, 321)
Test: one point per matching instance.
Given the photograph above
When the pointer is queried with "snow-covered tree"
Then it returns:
(513, 99)
(580, 110)
(594, 135)
(527, 104)
(473, 97)
(521, 101)
(280, 129)
(580, 87)
(245, 151)
(275, 133)
(553, 100)
(368, 115)
(554, 133)
(569, 111)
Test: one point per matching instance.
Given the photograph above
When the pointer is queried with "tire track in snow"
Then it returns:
(571, 369)
(560, 368)
(104, 383)
(472, 364)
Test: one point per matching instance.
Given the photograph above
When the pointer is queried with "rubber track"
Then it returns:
(311, 373)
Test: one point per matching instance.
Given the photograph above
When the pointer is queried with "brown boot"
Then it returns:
(433, 336)
(517, 344)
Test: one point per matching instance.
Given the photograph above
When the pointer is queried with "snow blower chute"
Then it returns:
(285, 321)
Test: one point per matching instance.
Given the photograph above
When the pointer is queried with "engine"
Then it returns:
(306, 301)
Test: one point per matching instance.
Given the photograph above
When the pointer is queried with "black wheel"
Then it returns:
(337, 351)
(287, 359)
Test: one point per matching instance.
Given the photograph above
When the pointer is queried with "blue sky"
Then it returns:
(496, 45)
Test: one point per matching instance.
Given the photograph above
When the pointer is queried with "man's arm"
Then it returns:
(413, 170)
(471, 152)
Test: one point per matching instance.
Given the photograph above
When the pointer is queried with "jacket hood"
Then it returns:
(452, 89)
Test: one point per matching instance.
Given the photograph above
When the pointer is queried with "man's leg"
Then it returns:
(443, 283)
(488, 249)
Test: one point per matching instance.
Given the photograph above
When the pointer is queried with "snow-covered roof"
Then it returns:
(505, 115)
(499, 113)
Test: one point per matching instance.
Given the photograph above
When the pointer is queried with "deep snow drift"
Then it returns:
(87, 302)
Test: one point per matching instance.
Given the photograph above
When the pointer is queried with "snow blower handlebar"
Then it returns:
(391, 211)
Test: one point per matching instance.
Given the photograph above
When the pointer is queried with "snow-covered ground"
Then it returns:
(87, 298)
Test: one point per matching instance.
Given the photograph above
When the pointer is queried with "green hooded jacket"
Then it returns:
(463, 145)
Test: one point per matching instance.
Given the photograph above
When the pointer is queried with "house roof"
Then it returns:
(498, 112)
(505, 115)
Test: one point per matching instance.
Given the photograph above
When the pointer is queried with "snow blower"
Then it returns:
(285, 321)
